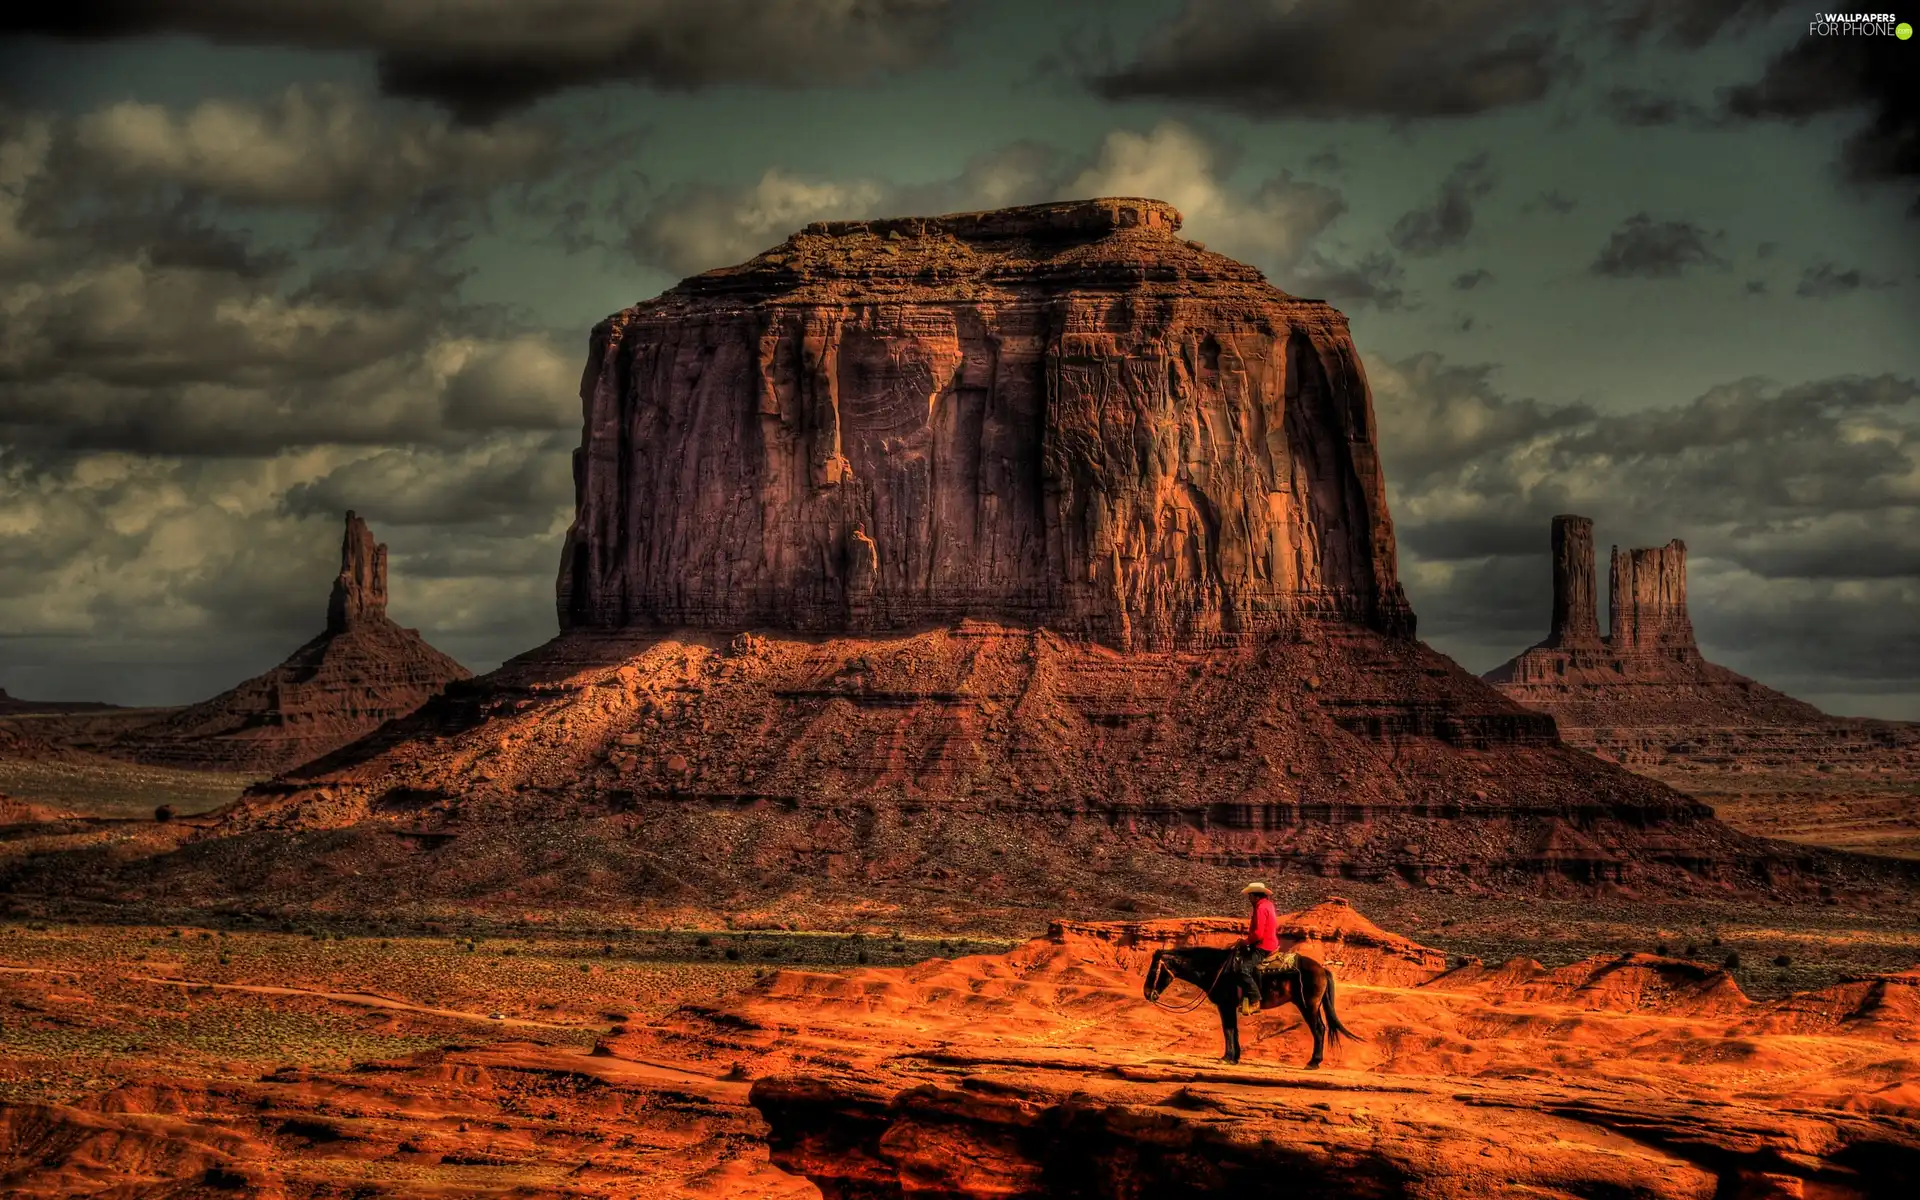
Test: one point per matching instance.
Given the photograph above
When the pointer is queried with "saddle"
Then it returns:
(1277, 964)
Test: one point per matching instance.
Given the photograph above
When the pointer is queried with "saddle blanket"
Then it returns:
(1277, 963)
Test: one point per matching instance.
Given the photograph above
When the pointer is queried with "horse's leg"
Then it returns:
(1310, 1009)
(1230, 1028)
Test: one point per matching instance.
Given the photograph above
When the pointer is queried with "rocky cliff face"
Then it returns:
(1061, 415)
(363, 671)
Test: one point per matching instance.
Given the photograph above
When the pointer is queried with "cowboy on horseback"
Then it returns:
(1263, 938)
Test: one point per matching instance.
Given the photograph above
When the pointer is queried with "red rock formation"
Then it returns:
(1644, 696)
(1575, 615)
(1647, 606)
(363, 671)
(1043, 1072)
(1647, 669)
(360, 591)
(1061, 415)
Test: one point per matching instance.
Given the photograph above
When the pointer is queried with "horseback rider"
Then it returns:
(1263, 938)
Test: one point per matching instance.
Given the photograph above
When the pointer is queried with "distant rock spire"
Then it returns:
(360, 590)
(1576, 620)
(1648, 610)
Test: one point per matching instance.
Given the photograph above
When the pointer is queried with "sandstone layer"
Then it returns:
(978, 772)
(361, 672)
(1061, 415)
(1644, 696)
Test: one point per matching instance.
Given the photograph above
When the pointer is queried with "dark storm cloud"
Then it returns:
(1641, 107)
(143, 317)
(1688, 23)
(1373, 279)
(1796, 503)
(1551, 201)
(1873, 76)
(1448, 220)
(487, 58)
(186, 406)
(1641, 247)
(1435, 416)
(1398, 58)
(1466, 281)
(1824, 281)
(1334, 58)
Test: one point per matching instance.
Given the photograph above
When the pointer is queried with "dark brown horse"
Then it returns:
(1307, 984)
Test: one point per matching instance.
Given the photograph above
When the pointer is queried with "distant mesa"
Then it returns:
(13, 706)
(1645, 697)
(363, 671)
(1647, 669)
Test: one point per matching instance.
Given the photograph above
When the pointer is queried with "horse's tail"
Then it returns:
(1333, 1018)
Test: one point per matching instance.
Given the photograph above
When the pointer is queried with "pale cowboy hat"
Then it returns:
(1256, 889)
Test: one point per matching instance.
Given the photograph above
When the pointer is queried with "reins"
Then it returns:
(1205, 995)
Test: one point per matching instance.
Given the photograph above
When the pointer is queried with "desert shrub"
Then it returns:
(732, 954)
(1782, 960)
(1733, 960)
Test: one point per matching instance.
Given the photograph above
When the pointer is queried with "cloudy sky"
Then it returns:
(265, 260)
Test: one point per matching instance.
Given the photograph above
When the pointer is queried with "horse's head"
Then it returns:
(1159, 975)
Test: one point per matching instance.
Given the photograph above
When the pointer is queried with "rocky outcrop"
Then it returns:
(1647, 608)
(1575, 615)
(1644, 696)
(360, 590)
(362, 672)
(1044, 1073)
(1061, 415)
(1647, 669)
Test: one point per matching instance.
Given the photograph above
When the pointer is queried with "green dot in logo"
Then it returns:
(1903, 31)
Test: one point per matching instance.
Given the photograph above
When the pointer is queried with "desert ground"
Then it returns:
(310, 1060)
(533, 1024)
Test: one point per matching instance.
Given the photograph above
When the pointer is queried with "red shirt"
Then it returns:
(1263, 931)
